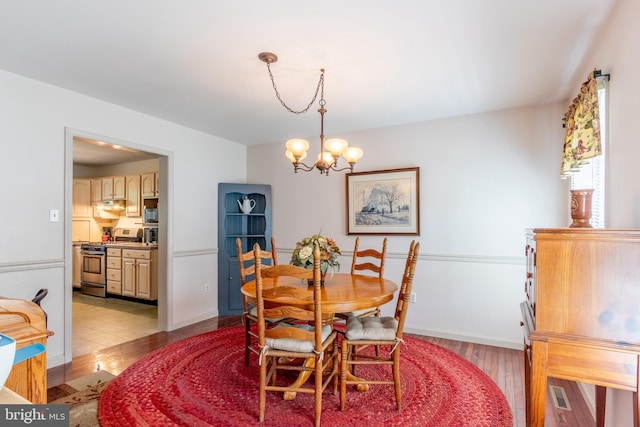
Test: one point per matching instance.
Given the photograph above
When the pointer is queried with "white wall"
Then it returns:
(615, 53)
(484, 179)
(34, 252)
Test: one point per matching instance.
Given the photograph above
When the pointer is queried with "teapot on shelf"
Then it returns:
(246, 205)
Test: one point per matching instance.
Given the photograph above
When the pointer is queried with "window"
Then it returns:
(592, 173)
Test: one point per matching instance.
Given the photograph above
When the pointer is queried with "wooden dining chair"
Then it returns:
(371, 260)
(307, 339)
(383, 332)
(250, 314)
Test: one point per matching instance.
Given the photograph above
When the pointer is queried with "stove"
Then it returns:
(94, 255)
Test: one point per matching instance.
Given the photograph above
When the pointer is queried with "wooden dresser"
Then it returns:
(25, 322)
(581, 315)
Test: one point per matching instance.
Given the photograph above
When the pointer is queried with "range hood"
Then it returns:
(110, 205)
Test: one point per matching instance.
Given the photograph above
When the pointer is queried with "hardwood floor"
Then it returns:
(504, 366)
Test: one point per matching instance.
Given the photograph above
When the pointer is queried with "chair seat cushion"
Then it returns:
(371, 328)
(292, 344)
(359, 313)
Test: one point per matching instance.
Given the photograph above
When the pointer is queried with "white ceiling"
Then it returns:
(89, 152)
(195, 62)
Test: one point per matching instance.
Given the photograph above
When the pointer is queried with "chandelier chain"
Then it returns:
(319, 88)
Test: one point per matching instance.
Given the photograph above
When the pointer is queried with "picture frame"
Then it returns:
(384, 202)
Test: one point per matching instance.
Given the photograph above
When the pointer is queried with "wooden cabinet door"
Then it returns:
(107, 189)
(133, 195)
(129, 277)
(143, 277)
(119, 188)
(148, 184)
(81, 201)
(96, 190)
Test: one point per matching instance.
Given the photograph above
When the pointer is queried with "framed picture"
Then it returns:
(384, 202)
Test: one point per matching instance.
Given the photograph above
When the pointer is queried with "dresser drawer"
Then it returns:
(136, 253)
(113, 274)
(114, 287)
(114, 262)
(114, 252)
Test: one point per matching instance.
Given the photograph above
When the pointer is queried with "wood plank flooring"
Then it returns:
(504, 366)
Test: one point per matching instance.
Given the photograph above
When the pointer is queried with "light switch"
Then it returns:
(54, 215)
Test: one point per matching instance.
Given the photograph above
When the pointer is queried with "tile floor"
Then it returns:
(99, 323)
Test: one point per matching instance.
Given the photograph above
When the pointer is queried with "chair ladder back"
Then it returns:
(369, 253)
(274, 253)
(405, 288)
(289, 312)
(244, 257)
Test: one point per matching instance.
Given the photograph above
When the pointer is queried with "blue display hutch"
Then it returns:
(251, 228)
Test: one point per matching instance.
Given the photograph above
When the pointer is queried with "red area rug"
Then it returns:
(202, 381)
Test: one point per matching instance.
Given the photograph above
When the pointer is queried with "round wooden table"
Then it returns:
(341, 293)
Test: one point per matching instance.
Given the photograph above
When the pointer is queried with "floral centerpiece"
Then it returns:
(303, 254)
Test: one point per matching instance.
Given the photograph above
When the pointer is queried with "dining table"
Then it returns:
(341, 293)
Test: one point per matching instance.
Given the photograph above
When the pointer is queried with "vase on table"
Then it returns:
(581, 208)
(310, 281)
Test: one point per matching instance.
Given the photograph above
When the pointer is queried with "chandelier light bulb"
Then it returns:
(327, 157)
(297, 146)
(291, 157)
(336, 146)
(352, 154)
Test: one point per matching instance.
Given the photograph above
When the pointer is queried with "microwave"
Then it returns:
(150, 215)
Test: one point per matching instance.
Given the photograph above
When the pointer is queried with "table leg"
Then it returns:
(302, 378)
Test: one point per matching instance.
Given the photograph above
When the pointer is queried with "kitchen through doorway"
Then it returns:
(98, 322)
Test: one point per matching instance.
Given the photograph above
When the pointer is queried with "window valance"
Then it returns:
(582, 122)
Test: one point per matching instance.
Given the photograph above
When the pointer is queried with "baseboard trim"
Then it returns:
(465, 338)
(206, 316)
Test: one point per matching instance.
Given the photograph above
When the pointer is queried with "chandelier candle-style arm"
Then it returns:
(296, 148)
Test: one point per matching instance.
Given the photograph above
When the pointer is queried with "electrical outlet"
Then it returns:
(412, 297)
(206, 287)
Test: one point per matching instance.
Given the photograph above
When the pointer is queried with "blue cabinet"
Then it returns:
(253, 227)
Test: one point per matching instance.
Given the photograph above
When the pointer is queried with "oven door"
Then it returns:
(93, 267)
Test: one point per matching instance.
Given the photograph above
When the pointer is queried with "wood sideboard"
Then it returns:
(25, 322)
(581, 316)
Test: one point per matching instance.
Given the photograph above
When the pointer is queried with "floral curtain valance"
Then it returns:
(582, 121)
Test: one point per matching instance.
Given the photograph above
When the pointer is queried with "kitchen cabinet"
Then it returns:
(114, 271)
(133, 196)
(96, 190)
(139, 273)
(251, 228)
(113, 188)
(150, 184)
(81, 199)
(76, 264)
(119, 188)
(107, 189)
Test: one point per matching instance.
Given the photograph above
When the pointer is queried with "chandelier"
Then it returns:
(330, 150)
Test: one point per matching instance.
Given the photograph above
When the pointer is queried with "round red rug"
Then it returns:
(202, 381)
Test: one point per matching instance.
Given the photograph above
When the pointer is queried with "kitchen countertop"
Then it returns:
(136, 245)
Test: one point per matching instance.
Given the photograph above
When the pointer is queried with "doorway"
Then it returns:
(87, 317)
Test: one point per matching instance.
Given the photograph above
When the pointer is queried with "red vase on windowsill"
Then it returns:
(581, 208)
